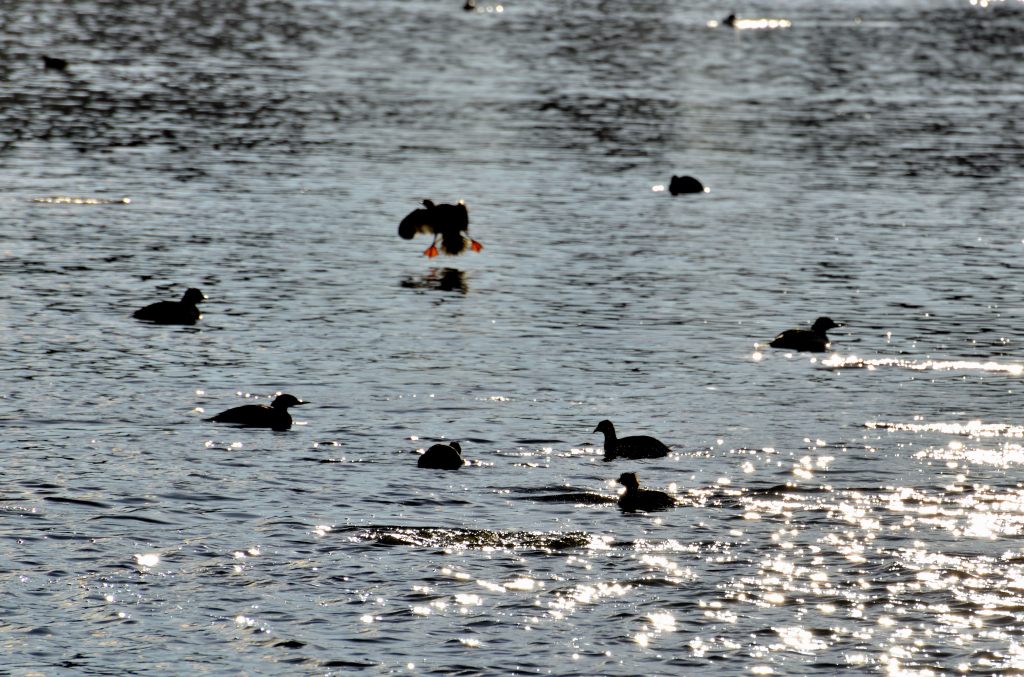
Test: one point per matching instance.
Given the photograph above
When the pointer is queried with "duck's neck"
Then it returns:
(610, 445)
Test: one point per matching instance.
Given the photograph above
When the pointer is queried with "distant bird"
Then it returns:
(173, 312)
(470, 5)
(55, 63)
(634, 446)
(685, 184)
(449, 223)
(729, 21)
(811, 340)
(636, 498)
(442, 457)
(274, 416)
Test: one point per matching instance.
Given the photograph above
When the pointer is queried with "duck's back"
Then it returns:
(645, 499)
(440, 457)
(640, 446)
(168, 312)
(801, 340)
(255, 416)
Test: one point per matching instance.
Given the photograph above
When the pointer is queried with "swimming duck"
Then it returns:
(442, 457)
(274, 416)
(55, 63)
(449, 223)
(811, 340)
(636, 498)
(173, 312)
(634, 446)
(685, 184)
(729, 20)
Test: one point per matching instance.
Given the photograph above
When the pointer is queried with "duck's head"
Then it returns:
(823, 324)
(284, 400)
(193, 296)
(456, 446)
(605, 427)
(629, 480)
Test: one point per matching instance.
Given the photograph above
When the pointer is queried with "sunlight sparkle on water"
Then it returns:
(974, 428)
(457, 575)
(853, 362)
(147, 560)
(523, 584)
(662, 621)
(799, 639)
(760, 24)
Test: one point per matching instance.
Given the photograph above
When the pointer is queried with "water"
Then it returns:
(859, 511)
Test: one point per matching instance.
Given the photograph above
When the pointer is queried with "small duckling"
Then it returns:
(811, 340)
(685, 184)
(274, 416)
(634, 446)
(636, 498)
(442, 457)
(447, 223)
(173, 312)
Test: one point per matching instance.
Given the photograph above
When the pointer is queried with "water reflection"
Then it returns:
(441, 279)
(73, 200)
(441, 537)
(746, 24)
(854, 362)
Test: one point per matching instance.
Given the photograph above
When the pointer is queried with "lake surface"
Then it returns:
(860, 511)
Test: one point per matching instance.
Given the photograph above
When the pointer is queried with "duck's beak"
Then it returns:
(300, 402)
(597, 429)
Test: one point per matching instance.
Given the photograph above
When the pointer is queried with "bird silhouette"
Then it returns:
(173, 312)
(813, 340)
(447, 223)
(274, 415)
(442, 457)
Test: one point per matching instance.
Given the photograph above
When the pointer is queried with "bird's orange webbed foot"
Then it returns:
(475, 246)
(431, 251)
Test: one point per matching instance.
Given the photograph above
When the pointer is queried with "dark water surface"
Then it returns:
(857, 512)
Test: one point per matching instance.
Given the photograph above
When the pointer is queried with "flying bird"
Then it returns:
(449, 224)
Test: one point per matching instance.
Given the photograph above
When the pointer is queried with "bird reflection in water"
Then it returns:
(442, 279)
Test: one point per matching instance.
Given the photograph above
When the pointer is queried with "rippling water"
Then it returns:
(853, 512)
